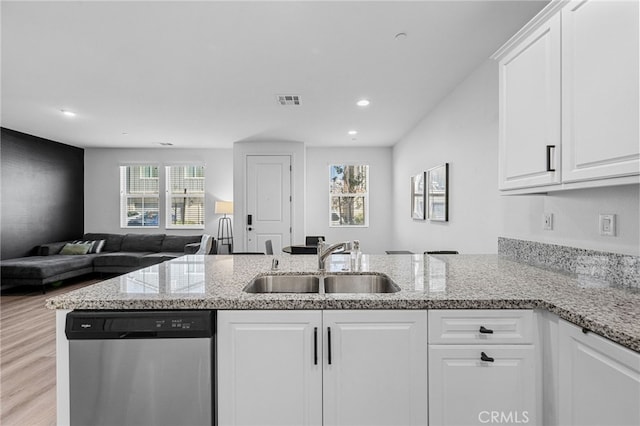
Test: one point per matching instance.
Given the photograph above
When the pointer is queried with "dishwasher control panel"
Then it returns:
(139, 324)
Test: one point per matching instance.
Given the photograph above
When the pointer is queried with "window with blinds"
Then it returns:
(185, 196)
(139, 196)
(348, 195)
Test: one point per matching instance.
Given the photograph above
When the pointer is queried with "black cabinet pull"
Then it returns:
(329, 345)
(315, 345)
(549, 148)
(485, 330)
(486, 358)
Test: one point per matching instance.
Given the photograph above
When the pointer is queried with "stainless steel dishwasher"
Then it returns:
(141, 367)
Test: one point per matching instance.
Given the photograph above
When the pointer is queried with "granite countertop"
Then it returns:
(426, 282)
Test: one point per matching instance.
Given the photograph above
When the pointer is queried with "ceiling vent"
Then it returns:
(286, 100)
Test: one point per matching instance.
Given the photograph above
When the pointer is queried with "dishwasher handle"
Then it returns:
(138, 335)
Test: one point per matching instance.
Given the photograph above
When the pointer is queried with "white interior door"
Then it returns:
(268, 201)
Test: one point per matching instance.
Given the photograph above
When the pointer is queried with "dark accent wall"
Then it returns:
(42, 193)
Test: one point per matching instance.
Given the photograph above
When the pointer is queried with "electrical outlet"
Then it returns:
(607, 225)
(547, 221)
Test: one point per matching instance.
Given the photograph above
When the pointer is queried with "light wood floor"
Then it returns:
(28, 354)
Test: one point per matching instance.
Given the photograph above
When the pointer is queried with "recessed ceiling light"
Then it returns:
(353, 132)
(363, 102)
(68, 113)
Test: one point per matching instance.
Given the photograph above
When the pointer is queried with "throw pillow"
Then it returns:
(96, 246)
(205, 244)
(71, 248)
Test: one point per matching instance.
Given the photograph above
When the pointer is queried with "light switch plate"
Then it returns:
(607, 225)
(547, 221)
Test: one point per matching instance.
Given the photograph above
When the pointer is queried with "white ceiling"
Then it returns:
(206, 74)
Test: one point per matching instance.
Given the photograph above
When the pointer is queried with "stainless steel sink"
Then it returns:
(336, 283)
(359, 283)
(284, 284)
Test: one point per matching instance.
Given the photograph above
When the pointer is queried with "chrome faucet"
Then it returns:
(324, 251)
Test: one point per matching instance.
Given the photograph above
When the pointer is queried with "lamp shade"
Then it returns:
(224, 207)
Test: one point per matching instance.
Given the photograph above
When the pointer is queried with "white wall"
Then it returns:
(575, 218)
(462, 131)
(376, 238)
(102, 184)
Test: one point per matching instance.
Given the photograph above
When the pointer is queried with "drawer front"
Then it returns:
(468, 327)
(466, 388)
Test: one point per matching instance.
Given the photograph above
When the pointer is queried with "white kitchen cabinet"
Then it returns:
(465, 390)
(599, 380)
(371, 367)
(482, 367)
(569, 99)
(465, 327)
(267, 373)
(529, 114)
(600, 87)
(548, 361)
(378, 369)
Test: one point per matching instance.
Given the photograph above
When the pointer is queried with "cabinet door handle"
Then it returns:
(484, 330)
(549, 148)
(329, 345)
(484, 357)
(315, 345)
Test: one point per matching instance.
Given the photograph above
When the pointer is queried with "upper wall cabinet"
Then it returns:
(530, 110)
(569, 98)
(600, 90)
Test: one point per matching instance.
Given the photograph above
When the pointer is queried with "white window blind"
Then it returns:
(185, 196)
(139, 196)
(349, 195)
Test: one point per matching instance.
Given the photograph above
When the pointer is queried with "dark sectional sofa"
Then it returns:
(121, 253)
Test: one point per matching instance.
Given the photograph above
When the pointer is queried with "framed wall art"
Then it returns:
(417, 196)
(437, 188)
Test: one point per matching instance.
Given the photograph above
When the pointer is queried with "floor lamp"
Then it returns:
(225, 231)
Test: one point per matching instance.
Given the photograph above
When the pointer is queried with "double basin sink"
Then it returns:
(331, 283)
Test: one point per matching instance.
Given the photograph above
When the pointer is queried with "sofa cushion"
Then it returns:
(176, 243)
(44, 266)
(121, 258)
(142, 242)
(113, 242)
(51, 248)
(75, 249)
(95, 246)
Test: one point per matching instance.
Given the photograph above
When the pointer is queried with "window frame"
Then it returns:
(125, 196)
(364, 195)
(187, 176)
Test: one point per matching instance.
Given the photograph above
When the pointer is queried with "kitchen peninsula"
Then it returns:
(453, 291)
